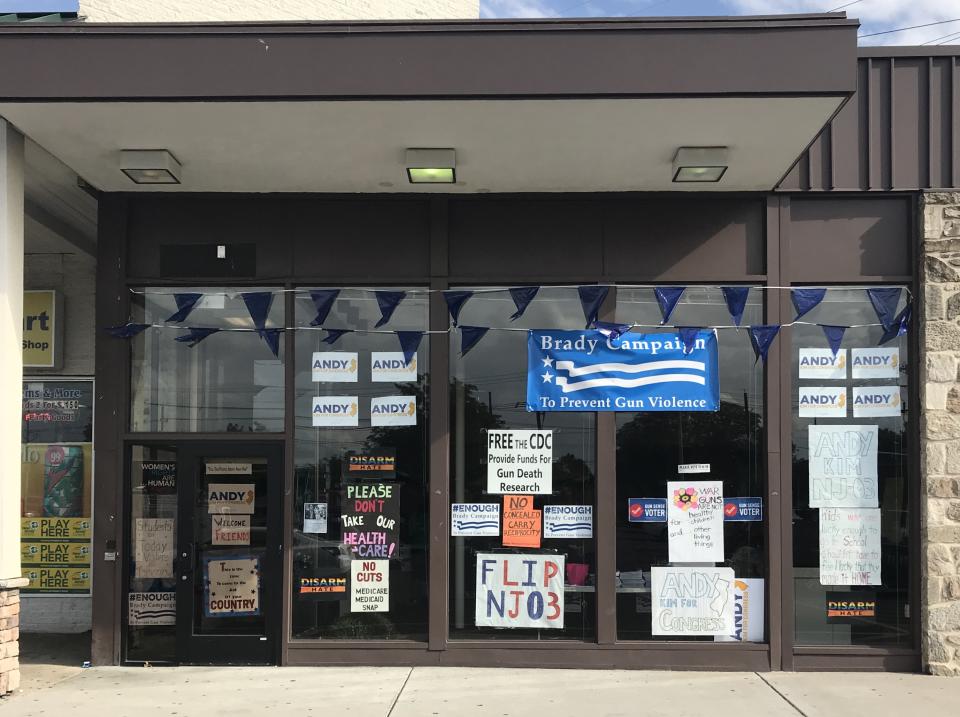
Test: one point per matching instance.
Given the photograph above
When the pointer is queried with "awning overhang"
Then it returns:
(557, 105)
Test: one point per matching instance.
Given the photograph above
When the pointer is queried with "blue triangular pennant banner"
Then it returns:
(195, 336)
(388, 302)
(736, 298)
(667, 298)
(885, 302)
(804, 300)
(409, 342)
(522, 296)
(323, 300)
(611, 331)
(455, 301)
(688, 337)
(834, 336)
(899, 325)
(126, 331)
(591, 298)
(258, 305)
(333, 335)
(272, 338)
(470, 336)
(761, 338)
(185, 304)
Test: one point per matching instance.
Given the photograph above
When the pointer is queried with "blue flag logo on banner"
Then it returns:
(587, 371)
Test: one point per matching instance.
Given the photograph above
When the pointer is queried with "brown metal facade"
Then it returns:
(441, 241)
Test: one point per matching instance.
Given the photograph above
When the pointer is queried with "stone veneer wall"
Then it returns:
(10, 634)
(940, 465)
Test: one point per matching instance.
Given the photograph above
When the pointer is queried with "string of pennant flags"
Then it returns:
(883, 299)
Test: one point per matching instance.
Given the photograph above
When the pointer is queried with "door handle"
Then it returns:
(185, 562)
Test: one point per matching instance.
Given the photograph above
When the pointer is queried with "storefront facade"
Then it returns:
(240, 516)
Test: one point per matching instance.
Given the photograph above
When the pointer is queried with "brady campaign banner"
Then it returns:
(587, 371)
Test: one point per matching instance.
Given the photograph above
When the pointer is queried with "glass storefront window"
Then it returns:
(488, 392)
(856, 458)
(229, 382)
(361, 468)
(652, 446)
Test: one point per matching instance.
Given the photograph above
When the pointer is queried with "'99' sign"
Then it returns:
(519, 590)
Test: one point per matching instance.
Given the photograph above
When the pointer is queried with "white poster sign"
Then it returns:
(693, 468)
(390, 366)
(692, 601)
(748, 602)
(339, 411)
(695, 521)
(843, 466)
(876, 401)
(568, 521)
(151, 609)
(519, 462)
(233, 586)
(821, 363)
(393, 411)
(875, 363)
(850, 546)
(153, 547)
(369, 586)
(523, 590)
(230, 529)
(315, 518)
(822, 401)
(334, 367)
(229, 469)
(230, 498)
(475, 520)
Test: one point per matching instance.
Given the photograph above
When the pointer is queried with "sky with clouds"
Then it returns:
(874, 15)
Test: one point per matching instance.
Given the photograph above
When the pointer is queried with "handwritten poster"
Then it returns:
(151, 609)
(692, 601)
(695, 521)
(519, 590)
(843, 466)
(153, 547)
(521, 522)
(850, 546)
(370, 519)
(520, 462)
(230, 529)
(233, 586)
(369, 586)
(475, 519)
(568, 521)
(315, 518)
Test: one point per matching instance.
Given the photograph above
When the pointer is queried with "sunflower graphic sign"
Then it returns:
(695, 521)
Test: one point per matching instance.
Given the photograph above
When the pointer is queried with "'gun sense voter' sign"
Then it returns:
(519, 590)
(519, 462)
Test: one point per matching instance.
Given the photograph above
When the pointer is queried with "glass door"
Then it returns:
(228, 553)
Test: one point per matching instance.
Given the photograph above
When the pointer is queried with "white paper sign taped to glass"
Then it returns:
(153, 540)
(876, 401)
(850, 546)
(475, 520)
(586, 371)
(393, 411)
(230, 498)
(695, 521)
(229, 469)
(568, 521)
(875, 363)
(334, 367)
(523, 590)
(822, 364)
(335, 411)
(748, 602)
(822, 401)
(315, 518)
(843, 466)
(692, 601)
(232, 586)
(151, 609)
(369, 586)
(230, 529)
(519, 462)
(390, 366)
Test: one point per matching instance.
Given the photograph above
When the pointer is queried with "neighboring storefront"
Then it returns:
(371, 428)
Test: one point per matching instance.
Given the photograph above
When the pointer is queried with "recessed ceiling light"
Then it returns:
(150, 166)
(700, 164)
(431, 166)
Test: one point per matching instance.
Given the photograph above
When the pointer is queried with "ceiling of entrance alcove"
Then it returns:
(358, 146)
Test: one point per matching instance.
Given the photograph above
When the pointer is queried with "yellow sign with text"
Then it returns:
(40, 326)
(47, 553)
(57, 580)
(57, 528)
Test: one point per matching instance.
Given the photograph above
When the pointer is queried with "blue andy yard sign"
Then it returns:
(587, 371)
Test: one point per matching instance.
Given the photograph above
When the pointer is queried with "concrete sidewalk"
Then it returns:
(464, 692)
